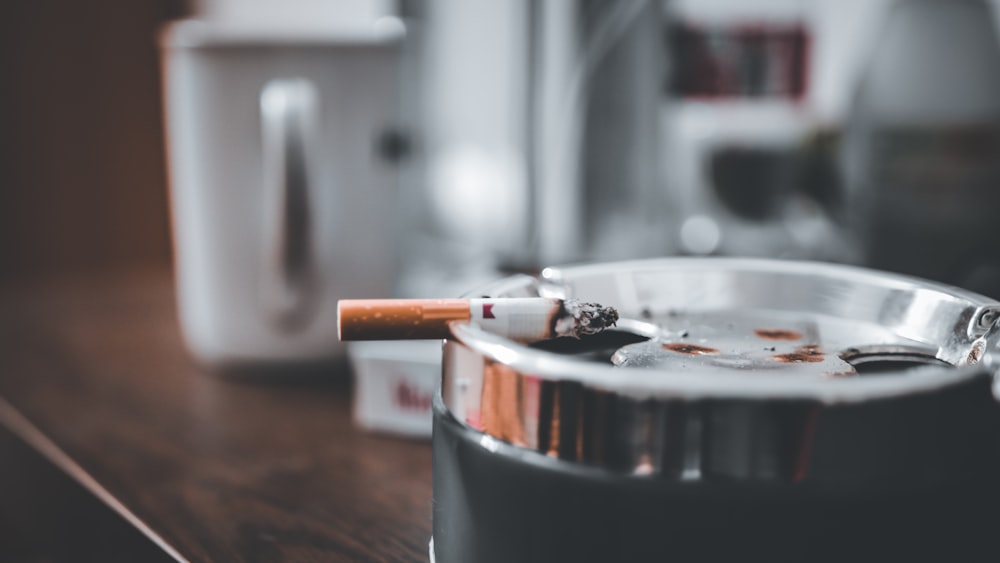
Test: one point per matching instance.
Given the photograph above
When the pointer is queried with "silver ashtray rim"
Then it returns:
(960, 311)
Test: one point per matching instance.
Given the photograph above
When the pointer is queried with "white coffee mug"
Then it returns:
(281, 202)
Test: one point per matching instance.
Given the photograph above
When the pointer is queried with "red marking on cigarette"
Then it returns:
(488, 311)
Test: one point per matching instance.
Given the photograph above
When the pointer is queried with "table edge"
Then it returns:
(20, 426)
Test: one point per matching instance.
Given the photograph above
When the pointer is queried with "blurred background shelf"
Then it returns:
(95, 378)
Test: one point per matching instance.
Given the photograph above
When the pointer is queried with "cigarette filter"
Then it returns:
(526, 319)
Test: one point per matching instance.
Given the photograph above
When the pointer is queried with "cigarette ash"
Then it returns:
(579, 318)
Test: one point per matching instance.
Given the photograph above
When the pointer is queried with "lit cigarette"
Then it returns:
(525, 319)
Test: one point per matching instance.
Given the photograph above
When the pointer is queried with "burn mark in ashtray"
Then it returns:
(777, 334)
(692, 349)
(803, 354)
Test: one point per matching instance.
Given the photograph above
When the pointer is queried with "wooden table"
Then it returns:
(94, 377)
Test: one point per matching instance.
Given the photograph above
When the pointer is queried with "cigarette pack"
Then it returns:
(393, 385)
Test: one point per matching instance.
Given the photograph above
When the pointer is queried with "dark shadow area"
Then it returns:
(46, 516)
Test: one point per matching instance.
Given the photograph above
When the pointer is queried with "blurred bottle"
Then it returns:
(922, 148)
(535, 130)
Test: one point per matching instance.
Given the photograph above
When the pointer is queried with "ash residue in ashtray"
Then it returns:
(746, 341)
(581, 318)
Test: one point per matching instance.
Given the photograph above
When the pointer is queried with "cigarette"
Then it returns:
(524, 319)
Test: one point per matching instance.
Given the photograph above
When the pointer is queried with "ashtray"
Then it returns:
(741, 408)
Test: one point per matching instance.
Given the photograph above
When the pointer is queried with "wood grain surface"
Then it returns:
(94, 374)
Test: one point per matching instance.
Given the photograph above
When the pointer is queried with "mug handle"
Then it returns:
(289, 110)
